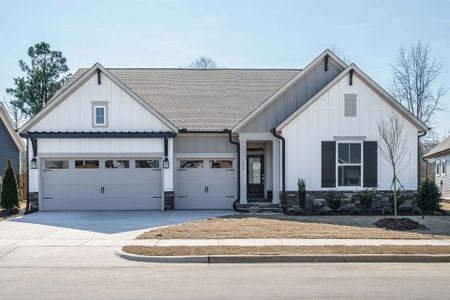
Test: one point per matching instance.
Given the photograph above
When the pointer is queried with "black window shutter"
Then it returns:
(329, 164)
(370, 171)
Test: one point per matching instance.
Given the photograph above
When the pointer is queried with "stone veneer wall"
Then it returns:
(350, 202)
(34, 201)
(169, 202)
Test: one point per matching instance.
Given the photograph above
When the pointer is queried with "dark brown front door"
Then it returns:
(255, 176)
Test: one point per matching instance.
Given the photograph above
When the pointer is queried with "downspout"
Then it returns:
(283, 168)
(238, 145)
(27, 209)
(418, 160)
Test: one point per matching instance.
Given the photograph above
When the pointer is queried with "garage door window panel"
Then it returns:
(117, 164)
(56, 164)
(191, 164)
(87, 164)
(220, 164)
(147, 164)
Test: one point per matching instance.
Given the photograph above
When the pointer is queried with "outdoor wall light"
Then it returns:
(33, 163)
(166, 163)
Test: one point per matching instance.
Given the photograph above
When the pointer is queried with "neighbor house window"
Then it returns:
(438, 167)
(191, 164)
(117, 164)
(56, 164)
(349, 164)
(444, 167)
(87, 164)
(147, 164)
(350, 105)
(220, 163)
(100, 114)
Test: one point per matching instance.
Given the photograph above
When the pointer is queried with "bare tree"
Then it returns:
(339, 53)
(15, 113)
(203, 62)
(393, 145)
(414, 78)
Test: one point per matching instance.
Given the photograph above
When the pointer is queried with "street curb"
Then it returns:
(319, 258)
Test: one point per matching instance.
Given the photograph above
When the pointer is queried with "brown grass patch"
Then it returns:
(261, 228)
(282, 250)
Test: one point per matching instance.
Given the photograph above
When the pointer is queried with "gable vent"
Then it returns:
(350, 105)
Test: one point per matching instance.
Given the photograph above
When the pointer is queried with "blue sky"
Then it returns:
(258, 34)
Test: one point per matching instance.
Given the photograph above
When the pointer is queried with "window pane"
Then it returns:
(220, 164)
(191, 164)
(100, 115)
(117, 164)
(87, 164)
(147, 164)
(254, 170)
(349, 176)
(343, 153)
(355, 153)
(56, 164)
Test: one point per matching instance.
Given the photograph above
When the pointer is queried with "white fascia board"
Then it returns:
(285, 87)
(78, 82)
(5, 118)
(371, 83)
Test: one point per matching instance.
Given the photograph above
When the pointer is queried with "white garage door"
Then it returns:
(205, 184)
(101, 184)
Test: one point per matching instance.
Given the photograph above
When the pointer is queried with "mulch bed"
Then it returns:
(401, 224)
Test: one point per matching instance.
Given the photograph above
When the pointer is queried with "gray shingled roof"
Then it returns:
(441, 148)
(202, 99)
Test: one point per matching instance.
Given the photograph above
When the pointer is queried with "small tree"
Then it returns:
(429, 197)
(301, 193)
(10, 195)
(392, 147)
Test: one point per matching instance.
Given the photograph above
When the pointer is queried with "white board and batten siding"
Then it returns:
(325, 120)
(124, 113)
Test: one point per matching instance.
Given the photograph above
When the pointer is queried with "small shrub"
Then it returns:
(301, 193)
(333, 200)
(10, 194)
(429, 197)
(390, 206)
(366, 198)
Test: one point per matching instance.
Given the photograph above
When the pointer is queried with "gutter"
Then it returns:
(283, 168)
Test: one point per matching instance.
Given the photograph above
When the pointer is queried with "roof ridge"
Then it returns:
(216, 69)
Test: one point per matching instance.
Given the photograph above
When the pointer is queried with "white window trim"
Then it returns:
(350, 187)
(96, 105)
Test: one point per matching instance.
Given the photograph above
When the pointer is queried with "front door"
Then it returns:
(255, 177)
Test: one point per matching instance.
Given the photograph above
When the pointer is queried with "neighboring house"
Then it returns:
(121, 139)
(11, 145)
(440, 156)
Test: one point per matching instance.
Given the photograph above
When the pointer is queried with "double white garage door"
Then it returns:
(101, 184)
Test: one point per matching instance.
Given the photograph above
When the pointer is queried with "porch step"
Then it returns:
(259, 207)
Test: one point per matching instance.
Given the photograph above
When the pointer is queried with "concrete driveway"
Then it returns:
(49, 237)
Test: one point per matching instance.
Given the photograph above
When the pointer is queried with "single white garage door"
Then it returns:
(205, 184)
(101, 184)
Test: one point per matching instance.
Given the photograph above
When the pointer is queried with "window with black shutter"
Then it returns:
(370, 177)
(328, 164)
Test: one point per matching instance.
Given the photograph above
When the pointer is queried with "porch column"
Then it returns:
(243, 170)
(276, 162)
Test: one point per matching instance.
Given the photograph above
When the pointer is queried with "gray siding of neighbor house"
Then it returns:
(194, 144)
(8, 151)
(288, 102)
(443, 181)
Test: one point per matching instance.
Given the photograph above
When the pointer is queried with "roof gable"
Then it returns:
(77, 82)
(6, 120)
(440, 149)
(373, 85)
